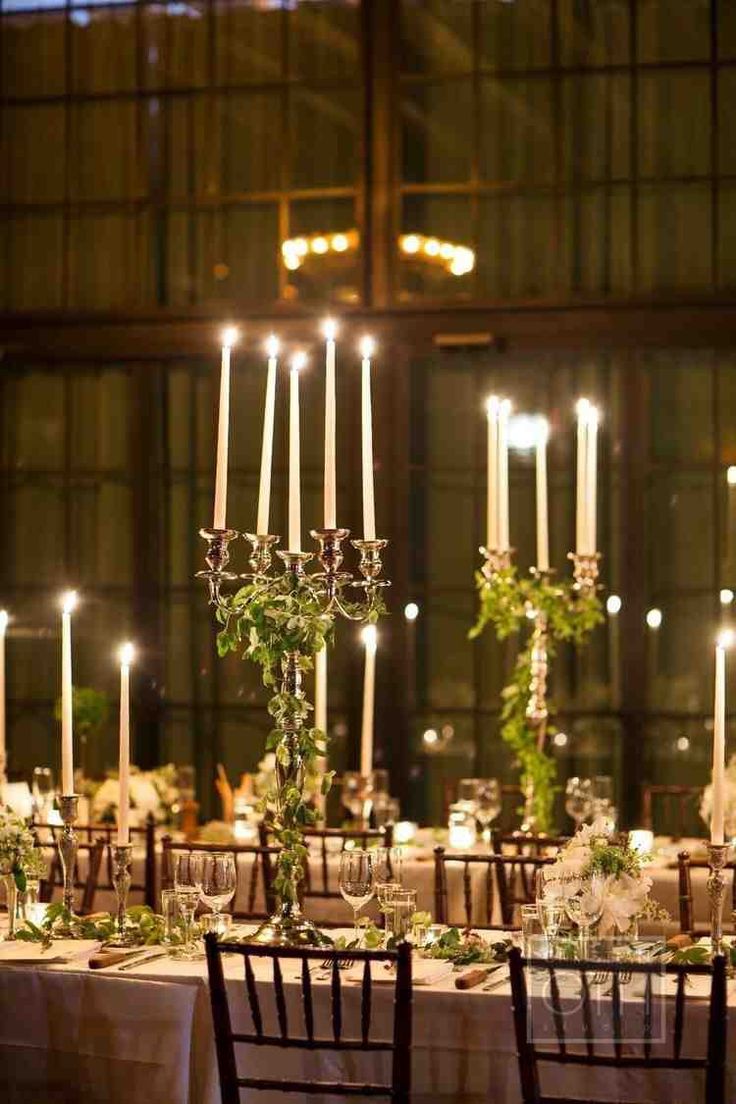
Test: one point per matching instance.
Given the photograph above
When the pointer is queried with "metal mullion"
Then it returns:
(475, 174)
(65, 228)
(634, 144)
(556, 79)
(284, 207)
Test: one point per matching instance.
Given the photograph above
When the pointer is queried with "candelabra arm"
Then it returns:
(585, 569)
(121, 878)
(69, 809)
(262, 546)
(496, 560)
(717, 857)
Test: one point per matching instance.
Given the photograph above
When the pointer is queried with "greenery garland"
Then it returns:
(505, 601)
(267, 621)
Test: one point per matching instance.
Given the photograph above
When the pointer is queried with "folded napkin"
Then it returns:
(19, 953)
(423, 971)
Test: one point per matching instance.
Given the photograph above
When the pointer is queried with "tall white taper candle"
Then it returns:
(330, 482)
(369, 507)
(504, 411)
(542, 512)
(591, 480)
(581, 524)
(264, 486)
(492, 489)
(229, 337)
(295, 495)
(719, 740)
(370, 641)
(126, 658)
(68, 604)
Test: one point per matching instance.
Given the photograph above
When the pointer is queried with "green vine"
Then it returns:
(505, 601)
(268, 621)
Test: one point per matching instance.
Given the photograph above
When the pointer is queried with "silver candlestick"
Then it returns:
(121, 878)
(69, 809)
(717, 858)
(495, 561)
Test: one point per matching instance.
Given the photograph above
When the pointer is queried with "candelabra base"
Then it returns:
(287, 929)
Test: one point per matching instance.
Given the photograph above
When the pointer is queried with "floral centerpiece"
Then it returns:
(152, 793)
(16, 848)
(609, 872)
(729, 805)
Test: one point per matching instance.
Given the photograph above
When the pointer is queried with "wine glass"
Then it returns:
(578, 799)
(550, 907)
(187, 875)
(42, 789)
(602, 796)
(467, 793)
(488, 804)
(584, 908)
(219, 880)
(355, 880)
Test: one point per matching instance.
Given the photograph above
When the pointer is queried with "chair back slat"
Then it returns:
(616, 1013)
(396, 1042)
(307, 1000)
(587, 1016)
(278, 983)
(495, 870)
(90, 832)
(534, 1048)
(252, 991)
(365, 1002)
(682, 800)
(89, 883)
(557, 1015)
(336, 1001)
(320, 877)
(679, 1017)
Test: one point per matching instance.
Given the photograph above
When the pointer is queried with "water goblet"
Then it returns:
(487, 804)
(355, 880)
(402, 907)
(584, 908)
(219, 881)
(578, 799)
(187, 875)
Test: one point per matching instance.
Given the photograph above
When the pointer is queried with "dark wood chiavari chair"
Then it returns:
(259, 873)
(503, 883)
(685, 866)
(520, 878)
(675, 808)
(611, 1052)
(320, 876)
(88, 883)
(145, 836)
(303, 1037)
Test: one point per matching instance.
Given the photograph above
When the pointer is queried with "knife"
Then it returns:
(496, 981)
(140, 959)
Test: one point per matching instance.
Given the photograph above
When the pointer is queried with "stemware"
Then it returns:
(401, 909)
(584, 908)
(42, 789)
(219, 880)
(487, 803)
(187, 877)
(356, 797)
(578, 799)
(551, 909)
(467, 793)
(355, 880)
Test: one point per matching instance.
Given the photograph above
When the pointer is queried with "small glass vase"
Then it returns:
(11, 898)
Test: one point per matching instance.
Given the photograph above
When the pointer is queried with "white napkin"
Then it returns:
(424, 971)
(19, 953)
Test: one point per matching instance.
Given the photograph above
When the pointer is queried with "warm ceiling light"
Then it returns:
(613, 604)
(447, 251)
(340, 242)
(410, 243)
(320, 245)
(411, 611)
(432, 247)
(292, 262)
(300, 246)
(726, 596)
(654, 618)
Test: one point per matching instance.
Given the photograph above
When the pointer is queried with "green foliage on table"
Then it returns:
(142, 924)
(571, 614)
(16, 847)
(266, 621)
(464, 949)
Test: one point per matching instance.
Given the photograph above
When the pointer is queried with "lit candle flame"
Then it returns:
(229, 337)
(69, 601)
(272, 346)
(369, 636)
(298, 361)
(329, 329)
(3, 620)
(725, 639)
(367, 347)
(127, 654)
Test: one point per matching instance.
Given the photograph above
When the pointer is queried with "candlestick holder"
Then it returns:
(585, 569)
(67, 844)
(121, 877)
(717, 858)
(217, 558)
(315, 598)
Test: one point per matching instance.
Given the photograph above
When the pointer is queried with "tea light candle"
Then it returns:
(404, 831)
(461, 837)
(642, 840)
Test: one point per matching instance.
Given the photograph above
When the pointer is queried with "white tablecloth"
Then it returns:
(71, 1036)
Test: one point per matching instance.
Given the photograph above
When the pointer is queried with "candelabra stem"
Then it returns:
(69, 809)
(717, 856)
(121, 878)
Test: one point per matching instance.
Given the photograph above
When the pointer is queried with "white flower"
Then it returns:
(622, 899)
